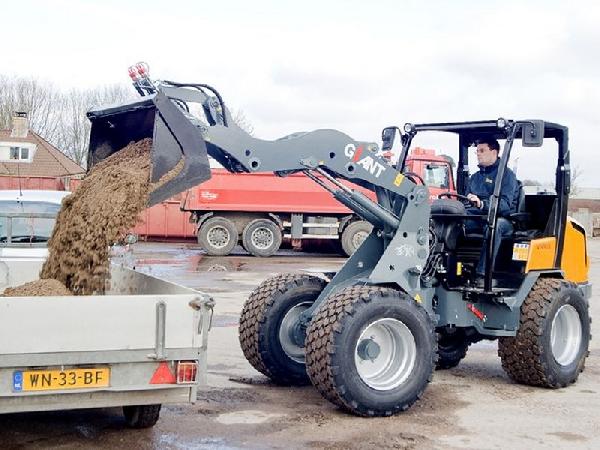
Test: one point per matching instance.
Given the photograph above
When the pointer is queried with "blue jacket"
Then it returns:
(482, 185)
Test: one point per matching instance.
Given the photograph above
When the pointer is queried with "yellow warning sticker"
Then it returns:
(520, 252)
(418, 299)
(399, 179)
(459, 268)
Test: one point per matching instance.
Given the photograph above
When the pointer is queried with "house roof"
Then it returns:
(47, 161)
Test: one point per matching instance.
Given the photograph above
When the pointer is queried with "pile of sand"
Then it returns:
(99, 213)
(38, 288)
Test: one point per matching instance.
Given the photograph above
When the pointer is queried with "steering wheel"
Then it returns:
(462, 198)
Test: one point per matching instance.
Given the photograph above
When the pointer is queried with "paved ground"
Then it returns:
(473, 406)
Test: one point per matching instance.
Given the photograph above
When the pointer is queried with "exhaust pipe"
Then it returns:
(173, 136)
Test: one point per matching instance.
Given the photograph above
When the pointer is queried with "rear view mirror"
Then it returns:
(387, 136)
(533, 133)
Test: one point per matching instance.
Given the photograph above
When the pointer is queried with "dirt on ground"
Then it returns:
(38, 288)
(98, 214)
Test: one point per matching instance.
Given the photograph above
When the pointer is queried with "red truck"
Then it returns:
(260, 210)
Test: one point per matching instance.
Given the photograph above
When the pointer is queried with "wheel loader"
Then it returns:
(370, 336)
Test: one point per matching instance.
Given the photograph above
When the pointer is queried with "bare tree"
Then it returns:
(575, 178)
(57, 116)
(75, 127)
(38, 99)
(242, 121)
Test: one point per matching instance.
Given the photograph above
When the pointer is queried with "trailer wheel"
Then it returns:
(267, 320)
(452, 348)
(261, 237)
(552, 342)
(354, 235)
(371, 350)
(141, 416)
(218, 236)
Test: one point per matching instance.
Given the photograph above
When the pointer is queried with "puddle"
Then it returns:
(177, 441)
(247, 417)
(225, 321)
(218, 264)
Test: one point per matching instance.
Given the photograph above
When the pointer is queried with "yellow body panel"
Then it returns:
(541, 254)
(574, 261)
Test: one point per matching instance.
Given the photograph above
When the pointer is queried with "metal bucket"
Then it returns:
(173, 137)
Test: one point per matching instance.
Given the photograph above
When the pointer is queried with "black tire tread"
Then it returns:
(521, 355)
(320, 345)
(141, 416)
(445, 361)
(255, 312)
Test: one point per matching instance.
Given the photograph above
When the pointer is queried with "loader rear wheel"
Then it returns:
(261, 237)
(141, 416)
(552, 342)
(452, 348)
(371, 350)
(354, 235)
(267, 321)
(218, 236)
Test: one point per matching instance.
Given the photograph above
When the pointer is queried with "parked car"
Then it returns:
(27, 219)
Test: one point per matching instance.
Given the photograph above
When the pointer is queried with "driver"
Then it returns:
(480, 190)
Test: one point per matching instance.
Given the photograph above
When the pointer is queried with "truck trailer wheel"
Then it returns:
(354, 235)
(371, 350)
(552, 342)
(141, 416)
(267, 321)
(452, 348)
(218, 236)
(261, 237)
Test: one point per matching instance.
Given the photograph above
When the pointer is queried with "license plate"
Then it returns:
(53, 380)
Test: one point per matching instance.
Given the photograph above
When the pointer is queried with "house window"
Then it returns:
(19, 153)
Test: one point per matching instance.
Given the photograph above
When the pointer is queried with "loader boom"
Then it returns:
(324, 155)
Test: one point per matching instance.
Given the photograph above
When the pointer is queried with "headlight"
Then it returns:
(501, 123)
(408, 127)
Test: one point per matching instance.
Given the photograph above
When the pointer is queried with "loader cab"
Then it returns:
(540, 217)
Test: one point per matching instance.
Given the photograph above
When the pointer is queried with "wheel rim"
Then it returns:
(262, 238)
(218, 236)
(385, 354)
(291, 349)
(566, 335)
(359, 238)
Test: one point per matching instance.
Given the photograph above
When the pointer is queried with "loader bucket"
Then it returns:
(174, 138)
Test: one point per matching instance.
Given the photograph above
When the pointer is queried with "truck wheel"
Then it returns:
(354, 235)
(452, 348)
(261, 237)
(267, 320)
(218, 236)
(371, 350)
(552, 342)
(141, 416)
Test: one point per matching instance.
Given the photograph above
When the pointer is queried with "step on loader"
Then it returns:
(370, 336)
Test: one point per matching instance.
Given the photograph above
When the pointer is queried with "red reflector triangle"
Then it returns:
(163, 375)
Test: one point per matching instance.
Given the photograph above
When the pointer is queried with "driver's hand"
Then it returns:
(475, 200)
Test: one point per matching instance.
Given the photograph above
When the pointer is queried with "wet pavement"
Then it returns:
(472, 406)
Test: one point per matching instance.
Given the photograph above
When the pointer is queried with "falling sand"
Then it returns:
(98, 214)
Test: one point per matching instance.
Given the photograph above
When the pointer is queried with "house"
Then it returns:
(26, 155)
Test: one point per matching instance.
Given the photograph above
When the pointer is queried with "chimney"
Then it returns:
(20, 125)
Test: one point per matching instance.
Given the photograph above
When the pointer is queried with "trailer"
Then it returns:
(139, 345)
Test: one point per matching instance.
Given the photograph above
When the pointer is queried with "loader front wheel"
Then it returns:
(267, 324)
(218, 235)
(552, 342)
(371, 350)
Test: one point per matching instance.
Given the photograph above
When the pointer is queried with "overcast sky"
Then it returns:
(352, 65)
